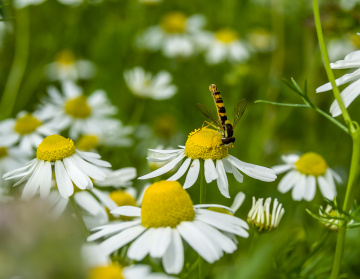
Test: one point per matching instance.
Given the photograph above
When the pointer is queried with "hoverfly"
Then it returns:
(220, 118)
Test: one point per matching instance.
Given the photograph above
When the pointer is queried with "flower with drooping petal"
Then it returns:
(352, 91)
(67, 67)
(304, 172)
(72, 167)
(205, 146)
(175, 36)
(144, 85)
(167, 215)
(79, 113)
(260, 217)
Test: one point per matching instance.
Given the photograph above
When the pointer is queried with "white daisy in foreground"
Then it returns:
(71, 167)
(100, 267)
(260, 216)
(143, 84)
(73, 110)
(174, 36)
(19, 4)
(224, 45)
(205, 145)
(67, 67)
(352, 91)
(27, 129)
(303, 173)
(167, 215)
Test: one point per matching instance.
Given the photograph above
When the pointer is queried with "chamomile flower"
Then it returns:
(352, 91)
(167, 215)
(174, 36)
(71, 167)
(305, 172)
(28, 129)
(205, 146)
(142, 84)
(260, 217)
(67, 67)
(73, 110)
(225, 45)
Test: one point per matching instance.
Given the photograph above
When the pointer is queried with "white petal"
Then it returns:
(222, 181)
(76, 175)
(348, 95)
(181, 171)
(45, 183)
(142, 245)
(298, 192)
(161, 241)
(238, 201)
(112, 228)
(288, 181)
(63, 181)
(281, 168)
(210, 170)
(310, 188)
(192, 174)
(127, 210)
(327, 186)
(33, 183)
(173, 260)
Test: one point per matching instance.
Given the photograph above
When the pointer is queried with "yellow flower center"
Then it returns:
(166, 204)
(121, 198)
(27, 124)
(54, 148)
(173, 22)
(205, 144)
(113, 271)
(65, 58)
(311, 164)
(78, 107)
(226, 35)
(87, 142)
(3, 152)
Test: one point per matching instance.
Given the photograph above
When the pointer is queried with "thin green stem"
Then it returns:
(78, 215)
(202, 200)
(329, 72)
(19, 63)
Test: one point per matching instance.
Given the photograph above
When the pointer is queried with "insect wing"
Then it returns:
(209, 113)
(239, 111)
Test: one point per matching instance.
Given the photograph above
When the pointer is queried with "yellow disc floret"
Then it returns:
(205, 144)
(113, 271)
(3, 152)
(122, 198)
(166, 204)
(27, 124)
(173, 22)
(54, 148)
(311, 164)
(87, 142)
(65, 58)
(226, 35)
(78, 107)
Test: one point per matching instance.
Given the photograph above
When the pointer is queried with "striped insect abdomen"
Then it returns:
(219, 103)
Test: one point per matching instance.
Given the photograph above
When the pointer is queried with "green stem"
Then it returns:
(19, 63)
(329, 72)
(202, 200)
(79, 216)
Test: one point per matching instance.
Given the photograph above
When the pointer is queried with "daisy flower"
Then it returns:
(260, 216)
(67, 67)
(167, 215)
(71, 167)
(351, 92)
(142, 84)
(224, 45)
(100, 266)
(27, 129)
(304, 172)
(73, 110)
(174, 36)
(205, 146)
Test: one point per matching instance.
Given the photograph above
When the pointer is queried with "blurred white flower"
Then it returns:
(224, 45)
(262, 40)
(174, 36)
(28, 129)
(143, 84)
(66, 67)
(79, 113)
(19, 4)
(303, 173)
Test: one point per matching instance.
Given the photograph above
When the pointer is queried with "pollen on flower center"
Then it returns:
(166, 204)
(3, 152)
(226, 35)
(112, 271)
(78, 107)
(87, 142)
(27, 124)
(205, 144)
(121, 198)
(173, 22)
(54, 148)
(311, 164)
(65, 58)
